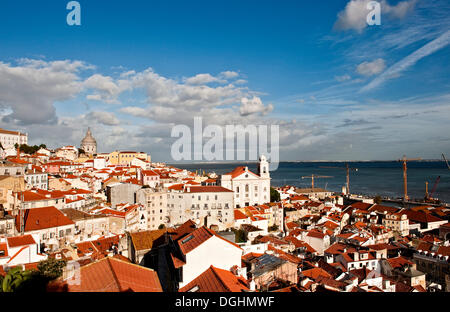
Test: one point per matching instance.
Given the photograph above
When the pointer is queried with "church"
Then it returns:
(249, 188)
(89, 144)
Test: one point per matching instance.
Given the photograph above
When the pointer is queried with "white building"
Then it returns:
(203, 248)
(52, 227)
(9, 138)
(250, 189)
(155, 203)
(20, 250)
(206, 205)
(67, 152)
(36, 178)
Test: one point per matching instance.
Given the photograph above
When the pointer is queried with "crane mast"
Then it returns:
(404, 161)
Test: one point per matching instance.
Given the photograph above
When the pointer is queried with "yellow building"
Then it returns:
(125, 158)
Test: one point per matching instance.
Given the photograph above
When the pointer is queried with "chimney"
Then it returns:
(252, 285)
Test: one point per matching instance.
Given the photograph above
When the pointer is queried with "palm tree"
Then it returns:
(14, 279)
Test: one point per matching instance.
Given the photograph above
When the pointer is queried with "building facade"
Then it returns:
(9, 138)
(249, 189)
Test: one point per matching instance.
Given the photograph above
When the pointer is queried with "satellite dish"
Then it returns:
(197, 221)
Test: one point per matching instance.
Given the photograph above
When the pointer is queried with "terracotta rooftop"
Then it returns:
(43, 218)
(113, 275)
(238, 171)
(216, 280)
(198, 237)
(18, 241)
(145, 240)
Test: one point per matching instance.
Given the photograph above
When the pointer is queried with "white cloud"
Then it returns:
(354, 16)
(410, 60)
(30, 89)
(254, 106)
(229, 74)
(105, 118)
(201, 79)
(107, 90)
(371, 68)
(342, 78)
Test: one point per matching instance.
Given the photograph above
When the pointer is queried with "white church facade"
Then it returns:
(249, 188)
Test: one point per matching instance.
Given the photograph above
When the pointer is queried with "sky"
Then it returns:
(338, 88)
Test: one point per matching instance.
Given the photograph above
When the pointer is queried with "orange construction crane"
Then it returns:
(404, 160)
(312, 177)
(347, 168)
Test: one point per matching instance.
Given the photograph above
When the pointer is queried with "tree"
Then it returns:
(81, 151)
(377, 199)
(51, 268)
(240, 236)
(273, 228)
(274, 195)
(161, 226)
(14, 279)
(27, 149)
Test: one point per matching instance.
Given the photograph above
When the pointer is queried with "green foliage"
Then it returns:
(30, 150)
(51, 268)
(17, 280)
(240, 236)
(14, 280)
(377, 199)
(274, 195)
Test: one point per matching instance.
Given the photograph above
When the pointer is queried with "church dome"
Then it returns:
(88, 139)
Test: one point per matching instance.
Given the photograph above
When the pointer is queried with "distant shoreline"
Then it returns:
(294, 161)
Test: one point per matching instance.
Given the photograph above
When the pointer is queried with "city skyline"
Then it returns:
(338, 88)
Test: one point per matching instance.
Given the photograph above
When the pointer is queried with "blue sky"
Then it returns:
(338, 88)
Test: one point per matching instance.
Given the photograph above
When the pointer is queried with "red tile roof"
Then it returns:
(43, 218)
(398, 262)
(21, 241)
(198, 237)
(316, 273)
(238, 171)
(420, 216)
(239, 215)
(4, 248)
(114, 275)
(207, 189)
(149, 173)
(316, 234)
(216, 280)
